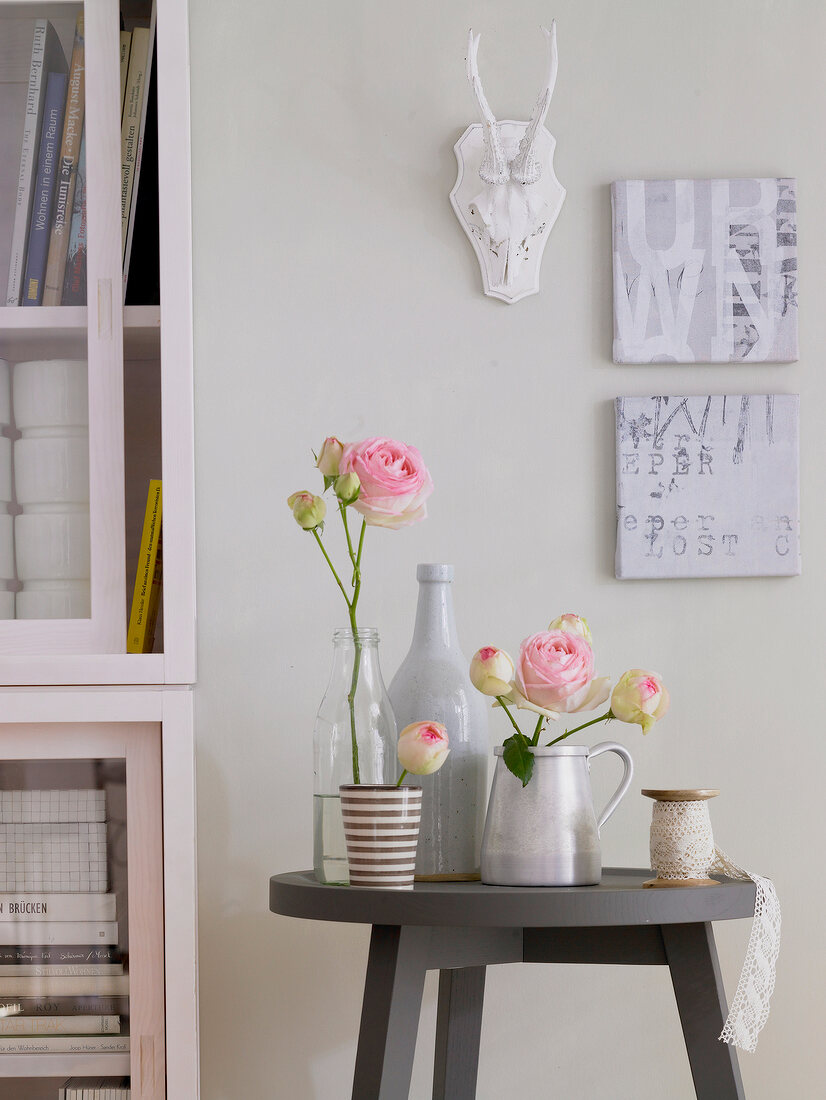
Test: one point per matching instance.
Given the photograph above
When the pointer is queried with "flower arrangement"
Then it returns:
(387, 483)
(555, 674)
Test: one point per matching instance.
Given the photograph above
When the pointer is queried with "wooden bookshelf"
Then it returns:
(68, 688)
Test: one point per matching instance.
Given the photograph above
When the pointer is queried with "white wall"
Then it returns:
(336, 293)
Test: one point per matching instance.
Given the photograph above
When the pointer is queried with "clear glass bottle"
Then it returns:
(433, 683)
(333, 762)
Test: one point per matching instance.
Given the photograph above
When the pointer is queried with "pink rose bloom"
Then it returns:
(555, 671)
(394, 481)
(423, 747)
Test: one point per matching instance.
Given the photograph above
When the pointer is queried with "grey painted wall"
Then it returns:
(336, 293)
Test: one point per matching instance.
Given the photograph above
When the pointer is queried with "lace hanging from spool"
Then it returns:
(682, 849)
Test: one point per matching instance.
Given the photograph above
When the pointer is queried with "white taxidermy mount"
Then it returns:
(506, 195)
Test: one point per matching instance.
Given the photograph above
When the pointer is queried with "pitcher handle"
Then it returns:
(625, 782)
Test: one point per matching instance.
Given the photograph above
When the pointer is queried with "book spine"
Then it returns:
(138, 634)
(26, 970)
(68, 1006)
(130, 127)
(57, 907)
(63, 954)
(64, 1044)
(125, 47)
(74, 282)
(67, 173)
(114, 985)
(45, 47)
(68, 932)
(40, 224)
(60, 1025)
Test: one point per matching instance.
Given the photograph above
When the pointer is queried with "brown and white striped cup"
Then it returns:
(381, 826)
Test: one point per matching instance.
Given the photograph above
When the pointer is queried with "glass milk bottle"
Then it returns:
(433, 683)
(333, 755)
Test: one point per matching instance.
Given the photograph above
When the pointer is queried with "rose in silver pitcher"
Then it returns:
(549, 835)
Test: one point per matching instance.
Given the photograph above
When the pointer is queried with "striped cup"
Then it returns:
(381, 825)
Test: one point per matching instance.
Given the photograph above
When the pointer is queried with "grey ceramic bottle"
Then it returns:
(433, 683)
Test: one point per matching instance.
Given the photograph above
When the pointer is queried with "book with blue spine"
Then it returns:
(47, 57)
(40, 227)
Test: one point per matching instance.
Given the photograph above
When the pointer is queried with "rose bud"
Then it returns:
(348, 487)
(329, 456)
(308, 510)
(491, 671)
(423, 747)
(640, 697)
(573, 624)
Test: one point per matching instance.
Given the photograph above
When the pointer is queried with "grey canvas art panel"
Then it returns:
(705, 271)
(707, 486)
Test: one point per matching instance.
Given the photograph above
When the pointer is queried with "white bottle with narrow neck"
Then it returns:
(433, 684)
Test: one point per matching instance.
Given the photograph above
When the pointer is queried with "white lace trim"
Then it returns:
(682, 847)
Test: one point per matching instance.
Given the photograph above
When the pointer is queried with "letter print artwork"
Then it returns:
(705, 271)
(707, 486)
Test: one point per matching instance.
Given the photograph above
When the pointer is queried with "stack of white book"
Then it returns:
(95, 1088)
(62, 985)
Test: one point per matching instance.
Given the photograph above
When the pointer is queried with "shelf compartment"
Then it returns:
(64, 1065)
(50, 332)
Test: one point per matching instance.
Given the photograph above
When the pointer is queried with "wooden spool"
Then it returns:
(696, 794)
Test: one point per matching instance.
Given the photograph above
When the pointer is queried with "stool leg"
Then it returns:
(701, 1001)
(458, 1029)
(390, 1014)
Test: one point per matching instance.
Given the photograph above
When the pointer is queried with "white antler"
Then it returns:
(525, 168)
(494, 167)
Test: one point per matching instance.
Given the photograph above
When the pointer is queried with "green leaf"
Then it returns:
(518, 757)
(329, 479)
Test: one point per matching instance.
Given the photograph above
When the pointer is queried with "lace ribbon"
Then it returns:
(682, 847)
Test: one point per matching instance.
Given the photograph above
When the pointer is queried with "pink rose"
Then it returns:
(555, 671)
(394, 481)
(640, 697)
(423, 747)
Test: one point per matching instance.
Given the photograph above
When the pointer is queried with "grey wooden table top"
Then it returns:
(619, 899)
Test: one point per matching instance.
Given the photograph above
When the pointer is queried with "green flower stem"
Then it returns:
(609, 714)
(351, 695)
(332, 567)
(504, 707)
(538, 730)
(401, 777)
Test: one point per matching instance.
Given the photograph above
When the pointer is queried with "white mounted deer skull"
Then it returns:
(508, 221)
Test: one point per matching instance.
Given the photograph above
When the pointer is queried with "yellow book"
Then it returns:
(146, 597)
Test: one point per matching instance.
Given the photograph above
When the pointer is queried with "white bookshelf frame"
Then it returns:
(52, 697)
(44, 724)
(92, 651)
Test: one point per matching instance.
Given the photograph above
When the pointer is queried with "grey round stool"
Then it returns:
(460, 928)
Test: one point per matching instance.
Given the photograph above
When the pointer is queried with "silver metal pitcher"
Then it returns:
(547, 834)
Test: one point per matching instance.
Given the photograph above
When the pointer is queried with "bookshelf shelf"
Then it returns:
(64, 1065)
(60, 332)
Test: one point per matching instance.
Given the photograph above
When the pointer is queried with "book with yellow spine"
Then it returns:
(146, 597)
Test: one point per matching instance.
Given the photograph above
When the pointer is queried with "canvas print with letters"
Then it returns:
(705, 271)
(707, 486)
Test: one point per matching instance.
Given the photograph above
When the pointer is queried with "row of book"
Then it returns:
(95, 1088)
(63, 989)
(49, 236)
